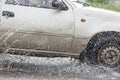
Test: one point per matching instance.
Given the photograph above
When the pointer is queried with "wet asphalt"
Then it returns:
(42, 68)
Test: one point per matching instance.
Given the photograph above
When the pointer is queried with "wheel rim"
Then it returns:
(109, 56)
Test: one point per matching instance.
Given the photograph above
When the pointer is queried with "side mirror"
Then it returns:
(86, 4)
(59, 4)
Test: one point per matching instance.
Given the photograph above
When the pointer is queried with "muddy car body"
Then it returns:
(60, 28)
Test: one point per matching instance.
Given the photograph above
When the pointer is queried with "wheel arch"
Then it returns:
(98, 35)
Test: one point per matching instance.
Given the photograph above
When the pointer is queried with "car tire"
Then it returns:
(105, 52)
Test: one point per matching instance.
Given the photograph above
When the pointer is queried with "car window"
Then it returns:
(31, 3)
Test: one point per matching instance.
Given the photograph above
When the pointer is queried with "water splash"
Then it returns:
(60, 67)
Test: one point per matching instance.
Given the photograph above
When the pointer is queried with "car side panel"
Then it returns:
(38, 29)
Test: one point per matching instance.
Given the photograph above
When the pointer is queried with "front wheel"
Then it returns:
(109, 55)
(106, 52)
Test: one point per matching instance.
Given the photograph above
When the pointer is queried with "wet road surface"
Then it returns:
(34, 68)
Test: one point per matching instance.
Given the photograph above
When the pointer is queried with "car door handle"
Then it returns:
(8, 14)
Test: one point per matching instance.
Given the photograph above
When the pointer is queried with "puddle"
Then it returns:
(57, 67)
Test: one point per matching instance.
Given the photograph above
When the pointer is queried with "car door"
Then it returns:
(36, 25)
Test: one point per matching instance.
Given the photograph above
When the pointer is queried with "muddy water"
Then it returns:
(34, 68)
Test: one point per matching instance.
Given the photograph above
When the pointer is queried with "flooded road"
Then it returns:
(38, 68)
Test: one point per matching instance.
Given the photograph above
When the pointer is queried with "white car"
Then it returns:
(60, 28)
